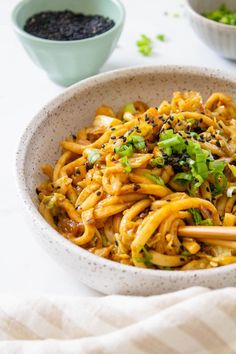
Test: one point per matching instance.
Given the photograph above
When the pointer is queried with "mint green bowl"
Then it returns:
(67, 62)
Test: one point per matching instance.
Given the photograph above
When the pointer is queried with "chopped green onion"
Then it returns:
(124, 150)
(155, 178)
(104, 240)
(126, 164)
(146, 259)
(186, 253)
(93, 156)
(194, 134)
(183, 177)
(207, 222)
(129, 108)
(230, 191)
(199, 161)
(197, 217)
(217, 168)
(200, 156)
(220, 183)
(222, 15)
(201, 164)
(192, 121)
(170, 142)
(144, 45)
(161, 37)
(158, 161)
(167, 134)
(138, 141)
(51, 200)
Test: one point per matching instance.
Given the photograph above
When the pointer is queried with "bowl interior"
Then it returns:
(75, 108)
(108, 8)
(210, 5)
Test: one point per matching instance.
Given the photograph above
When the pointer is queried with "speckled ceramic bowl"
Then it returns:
(73, 109)
(218, 36)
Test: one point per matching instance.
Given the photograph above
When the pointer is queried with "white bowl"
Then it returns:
(73, 109)
(218, 36)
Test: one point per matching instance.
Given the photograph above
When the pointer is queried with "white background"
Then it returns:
(24, 267)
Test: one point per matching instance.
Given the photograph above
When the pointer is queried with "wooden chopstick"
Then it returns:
(224, 233)
(222, 243)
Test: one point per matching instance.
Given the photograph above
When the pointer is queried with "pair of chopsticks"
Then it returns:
(224, 236)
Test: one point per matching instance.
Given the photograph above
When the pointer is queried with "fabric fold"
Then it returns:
(197, 320)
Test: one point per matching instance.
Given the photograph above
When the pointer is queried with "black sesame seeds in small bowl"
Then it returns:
(67, 25)
(69, 39)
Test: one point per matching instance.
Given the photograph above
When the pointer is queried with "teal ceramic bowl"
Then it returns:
(67, 62)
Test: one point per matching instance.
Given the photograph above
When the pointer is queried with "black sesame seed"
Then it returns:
(37, 191)
(87, 166)
(98, 193)
(136, 187)
(113, 137)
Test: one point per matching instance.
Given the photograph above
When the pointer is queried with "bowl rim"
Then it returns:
(35, 122)
(207, 20)
(22, 32)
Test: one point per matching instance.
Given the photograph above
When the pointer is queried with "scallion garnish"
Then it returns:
(171, 143)
(158, 161)
(126, 164)
(137, 141)
(183, 177)
(129, 108)
(216, 168)
(223, 15)
(124, 150)
(93, 156)
(144, 45)
(197, 217)
(155, 178)
(161, 37)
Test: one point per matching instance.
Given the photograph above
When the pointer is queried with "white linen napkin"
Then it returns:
(196, 320)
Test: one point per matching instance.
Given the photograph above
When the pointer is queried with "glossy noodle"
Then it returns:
(123, 186)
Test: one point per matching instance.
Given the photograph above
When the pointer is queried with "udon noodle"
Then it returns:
(123, 186)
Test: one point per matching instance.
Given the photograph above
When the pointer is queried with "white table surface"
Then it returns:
(24, 267)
